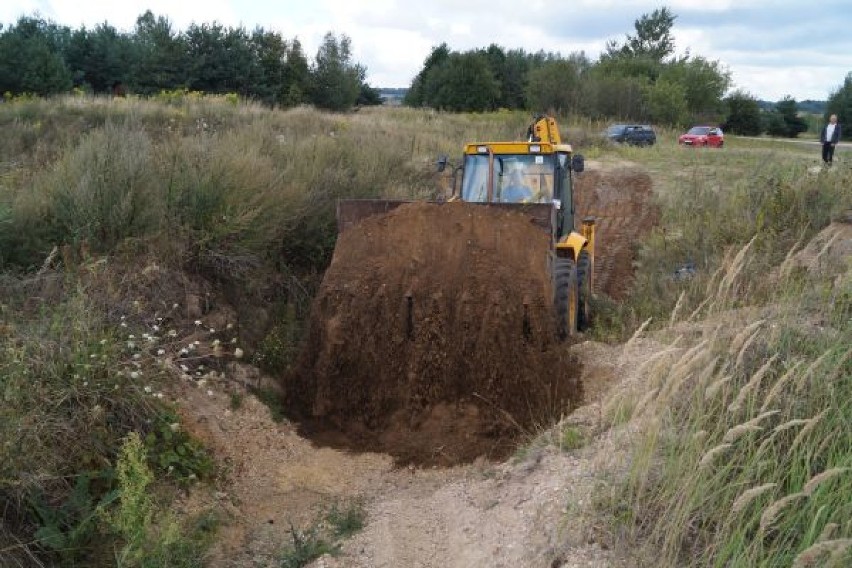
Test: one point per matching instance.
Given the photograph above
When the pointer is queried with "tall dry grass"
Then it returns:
(746, 456)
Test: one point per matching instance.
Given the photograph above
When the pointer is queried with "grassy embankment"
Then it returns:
(746, 456)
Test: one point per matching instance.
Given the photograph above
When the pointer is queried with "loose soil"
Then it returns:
(433, 337)
(621, 200)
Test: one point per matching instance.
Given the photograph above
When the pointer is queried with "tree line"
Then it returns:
(637, 79)
(42, 58)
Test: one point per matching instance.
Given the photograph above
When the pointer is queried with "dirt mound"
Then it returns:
(622, 202)
(433, 337)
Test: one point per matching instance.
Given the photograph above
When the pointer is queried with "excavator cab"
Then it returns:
(521, 173)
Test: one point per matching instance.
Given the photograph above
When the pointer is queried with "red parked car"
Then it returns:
(703, 136)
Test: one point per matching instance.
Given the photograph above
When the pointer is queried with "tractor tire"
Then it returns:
(584, 291)
(565, 300)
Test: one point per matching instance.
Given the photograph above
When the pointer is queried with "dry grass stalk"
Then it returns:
(780, 428)
(699, 436)
(708, 458)
(741, 355)
(708, 372)
(655, 358)
(826, 247)
(779, 385)
(814, 553)
(791, 424)
(638, 332)
(746, 497)
(805, 377)
(743, 335)
(643, 402)
(763, 416)
(716, 386)
(816, 480)
(770, 514)
(738, 431)
(736, 267)
(752, 385)
(676, 308)
(711, 284)
(787, 264)
(697, 310)
(683, 370)
(808, 427)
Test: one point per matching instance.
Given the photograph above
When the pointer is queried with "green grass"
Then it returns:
(341, 521)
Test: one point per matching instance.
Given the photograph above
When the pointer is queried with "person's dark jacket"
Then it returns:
(834, 139)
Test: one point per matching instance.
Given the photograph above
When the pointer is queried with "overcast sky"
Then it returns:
(772, 47)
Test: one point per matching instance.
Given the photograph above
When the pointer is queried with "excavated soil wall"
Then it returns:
(621, 200)
(432, 337)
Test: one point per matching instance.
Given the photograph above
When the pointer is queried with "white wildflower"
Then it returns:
(135, 375)
(161, 351)
(147, 389)
(172, 333)
(238, 353)
(197, 322)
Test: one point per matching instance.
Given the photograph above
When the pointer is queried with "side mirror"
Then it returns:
(577, 163)
(442, 163)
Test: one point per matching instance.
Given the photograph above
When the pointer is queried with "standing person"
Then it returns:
(829, 137)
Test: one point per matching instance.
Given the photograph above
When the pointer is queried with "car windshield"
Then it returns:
(617, 129)
(699, 130)
(518, 178)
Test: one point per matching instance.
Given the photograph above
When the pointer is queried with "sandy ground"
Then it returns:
(534, 509)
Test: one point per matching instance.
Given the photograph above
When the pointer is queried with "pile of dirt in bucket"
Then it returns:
(432, 337)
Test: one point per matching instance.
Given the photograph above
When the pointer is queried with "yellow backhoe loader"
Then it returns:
(533, 176)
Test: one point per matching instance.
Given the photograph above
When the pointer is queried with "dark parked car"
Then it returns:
(636, 134)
